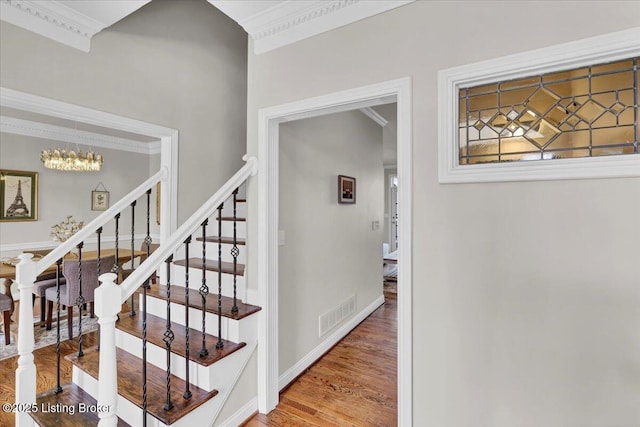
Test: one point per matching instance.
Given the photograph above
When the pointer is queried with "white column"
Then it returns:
(107, 305)
(26, 372)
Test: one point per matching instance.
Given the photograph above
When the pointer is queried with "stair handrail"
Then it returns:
(167, 247)
(89, 229)
(26, 272)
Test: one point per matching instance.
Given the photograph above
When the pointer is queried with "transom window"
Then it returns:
(589, 111)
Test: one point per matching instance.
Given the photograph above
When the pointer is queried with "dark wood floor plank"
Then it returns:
(130, 385)
(354, 384)
(156, 327)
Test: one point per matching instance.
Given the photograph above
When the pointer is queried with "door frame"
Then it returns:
(399, 91)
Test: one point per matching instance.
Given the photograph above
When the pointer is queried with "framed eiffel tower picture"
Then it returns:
(18, 195)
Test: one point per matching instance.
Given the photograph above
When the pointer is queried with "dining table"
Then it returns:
(8, 272)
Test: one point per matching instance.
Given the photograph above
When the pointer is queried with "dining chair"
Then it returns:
(70, 292)
(5, 308)
(43, 282)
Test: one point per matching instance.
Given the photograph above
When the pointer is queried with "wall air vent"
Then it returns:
(333, 317)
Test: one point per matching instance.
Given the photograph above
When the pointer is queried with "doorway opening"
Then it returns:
(398, 91)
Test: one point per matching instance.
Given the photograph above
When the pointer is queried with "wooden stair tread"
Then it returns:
(156, 326)
(195, 301)
(130, 385)
(230, 218)
(55, 409)
(226, 240)
(212, 265)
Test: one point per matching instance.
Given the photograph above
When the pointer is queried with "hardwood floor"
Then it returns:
(354, 384)
(45, 360)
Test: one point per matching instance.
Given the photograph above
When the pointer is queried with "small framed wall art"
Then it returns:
(18, 195)
(346, 189)
(100, 199)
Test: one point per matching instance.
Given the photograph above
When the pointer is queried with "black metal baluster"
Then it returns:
(187, 393)
(99, 263)
(80, 301)
(204, 289)
(168, 335)
(235, 251)
(133, 249)
(220, 344)
(58, 277)
(116, 266)
(147, 239)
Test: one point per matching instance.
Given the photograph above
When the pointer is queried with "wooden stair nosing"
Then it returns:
(63, 409)
(211, 265)
(195, 301)
(156, 326)
(225, 240)
(130, 385)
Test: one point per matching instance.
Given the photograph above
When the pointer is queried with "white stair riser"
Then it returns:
(226, 376)
(232, 330)
(227, 209)
(198, 375)
(195, 282)
(126, 410)
(195, 251)
(206, 377)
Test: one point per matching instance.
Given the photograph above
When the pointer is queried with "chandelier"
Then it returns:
(71, 160)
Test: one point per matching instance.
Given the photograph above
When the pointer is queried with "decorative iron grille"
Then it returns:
(585, 112)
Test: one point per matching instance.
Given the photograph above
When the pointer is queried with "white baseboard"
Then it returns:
(241, 415)
(329, 342)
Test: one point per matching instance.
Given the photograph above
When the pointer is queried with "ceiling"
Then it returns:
(270, 23)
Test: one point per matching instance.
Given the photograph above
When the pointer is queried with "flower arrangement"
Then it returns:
(65, 229)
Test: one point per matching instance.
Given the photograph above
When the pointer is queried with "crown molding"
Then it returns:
(64, 21)
(75, 136)
(53, 20)
(375, 116)
(291, 21)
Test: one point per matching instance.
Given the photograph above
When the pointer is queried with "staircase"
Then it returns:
(175, 356)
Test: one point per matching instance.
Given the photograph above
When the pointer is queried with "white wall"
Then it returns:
(526, 293)
(330, 251)
(181, 65)
(69, 193)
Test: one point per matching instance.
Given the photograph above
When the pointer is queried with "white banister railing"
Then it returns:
(108, 305)
(26, 371)
(146, 269)
(109, 296)
(26, 273)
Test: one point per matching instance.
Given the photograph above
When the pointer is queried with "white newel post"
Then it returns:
(107, 306)
(26, 372)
